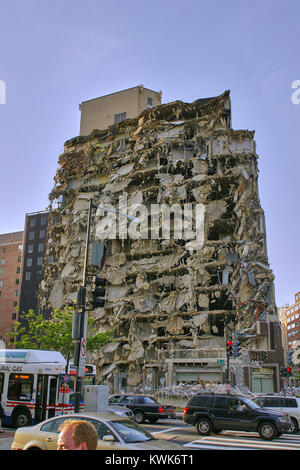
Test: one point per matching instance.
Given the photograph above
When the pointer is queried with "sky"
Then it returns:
(55, 54)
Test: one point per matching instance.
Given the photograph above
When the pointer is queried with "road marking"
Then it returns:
(242, 443)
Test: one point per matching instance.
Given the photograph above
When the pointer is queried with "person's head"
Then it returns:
(77, 434)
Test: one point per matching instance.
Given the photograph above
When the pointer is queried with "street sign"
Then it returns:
(82, 356)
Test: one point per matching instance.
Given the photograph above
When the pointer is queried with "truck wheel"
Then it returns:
(139, 417)
(267, 431)
(204, 426)
(21, 418)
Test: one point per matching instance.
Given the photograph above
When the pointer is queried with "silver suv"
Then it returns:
(290, 405)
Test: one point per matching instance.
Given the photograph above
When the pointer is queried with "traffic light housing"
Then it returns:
(289, 357)
(282, 372)
(236, 348)
(229, 344)
(288, 371)
(98, 292)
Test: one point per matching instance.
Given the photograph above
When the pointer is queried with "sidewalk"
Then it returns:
(6, 439)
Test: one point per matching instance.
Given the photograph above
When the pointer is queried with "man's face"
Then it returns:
(66, 441)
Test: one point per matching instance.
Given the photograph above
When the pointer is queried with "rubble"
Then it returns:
(163, 294)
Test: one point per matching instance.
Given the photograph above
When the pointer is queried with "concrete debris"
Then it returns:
(165, 295)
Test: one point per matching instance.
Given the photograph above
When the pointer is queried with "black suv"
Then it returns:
(215, 412)
(143, 407)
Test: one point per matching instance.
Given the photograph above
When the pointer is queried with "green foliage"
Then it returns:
(54, 334)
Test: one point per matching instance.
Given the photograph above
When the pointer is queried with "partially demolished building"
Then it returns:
(171, 301)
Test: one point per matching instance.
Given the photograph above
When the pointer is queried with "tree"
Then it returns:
(54, 334)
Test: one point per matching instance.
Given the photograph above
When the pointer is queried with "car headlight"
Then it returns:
(284, 419)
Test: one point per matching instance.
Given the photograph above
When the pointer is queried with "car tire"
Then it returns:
(294, 427)
(204, 426)
(267, 431)
(139, 417)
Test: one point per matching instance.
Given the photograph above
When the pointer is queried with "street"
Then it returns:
(187, 436)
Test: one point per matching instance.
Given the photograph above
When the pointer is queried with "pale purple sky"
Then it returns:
(57, 53)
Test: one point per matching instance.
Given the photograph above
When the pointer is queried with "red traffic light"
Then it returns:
(229, 342)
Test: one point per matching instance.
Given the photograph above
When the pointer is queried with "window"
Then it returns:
(16, 293)
(29, 262)
(19, 259)
(32, 223)
(18, 270)
(42, 233)
(20, 247)
(129, 400)
(1, 283)
(20, 387)
(28, 276)
(3, 250)
(148, 400)
(31, 235)
(120, 117)
(39, 261)
(220, 402)
(41, 247)
(1, 383)
(17, 282)
(149, 103)
(199, 401)
(2, 261)
(114, 400)
(43, 220)
(290, 402)
(30, 248)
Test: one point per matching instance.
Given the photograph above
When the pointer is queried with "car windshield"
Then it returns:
(250, 403)
(130, 431)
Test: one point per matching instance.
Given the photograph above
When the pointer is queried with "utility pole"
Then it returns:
(80, 346)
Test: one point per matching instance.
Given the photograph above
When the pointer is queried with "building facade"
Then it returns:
(176, 192)
(35, 240)
(99, 113)
(11, 251)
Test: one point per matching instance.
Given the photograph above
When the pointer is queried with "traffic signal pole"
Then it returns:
(82, 322)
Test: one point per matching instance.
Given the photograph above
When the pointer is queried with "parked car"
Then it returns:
(215, 412)
(121, 411)
(143, 407)
(114, 433)
(289, 405)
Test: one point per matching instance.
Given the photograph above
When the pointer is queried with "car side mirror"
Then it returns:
(108, 438)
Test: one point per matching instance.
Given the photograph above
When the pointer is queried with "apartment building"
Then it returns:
(33, 258)
(99, 113)
(293, 321)
(11, 250)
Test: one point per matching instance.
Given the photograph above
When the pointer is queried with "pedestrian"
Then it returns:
(77, 434)
(2, 414)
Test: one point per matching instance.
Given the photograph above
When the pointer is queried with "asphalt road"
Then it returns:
(186, 435)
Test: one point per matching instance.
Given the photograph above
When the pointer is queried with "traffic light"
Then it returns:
(236, 347)
(81, 297)
(98, 292)
(229, 343)
(288, 371)
(289, 357)
(282, 372)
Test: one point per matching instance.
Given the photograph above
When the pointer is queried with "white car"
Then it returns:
(290, 405)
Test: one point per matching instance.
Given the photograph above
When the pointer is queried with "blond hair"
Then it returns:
(83, 431)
